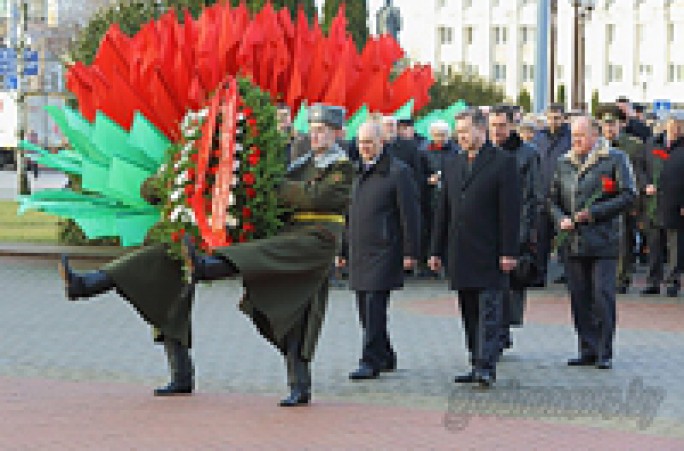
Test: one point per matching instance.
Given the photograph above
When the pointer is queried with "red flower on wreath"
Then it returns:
(248, 227)
(191, 173)
(246, 212)
(248, 178)
(188, 190)
(194, 157)
(253, 159)
(609, 185)
(247, 111)
(250, 193)
(660, 153)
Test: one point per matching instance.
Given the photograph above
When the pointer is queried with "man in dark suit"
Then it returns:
(382, 241)
(552, 142)
(477, 227)
(664, 191)
(592, 187)
(503, 135)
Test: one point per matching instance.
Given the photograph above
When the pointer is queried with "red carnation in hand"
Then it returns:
(248, 227)
(609, 185)
(248, 178)
(175, 237)
(250, 193)
(660, 153)
(246, 212)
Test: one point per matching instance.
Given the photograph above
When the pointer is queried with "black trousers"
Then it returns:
(591, 282)
(377, 349)
(481, 310)
(675, 256)
(657, 250)
(626, 258)
(511, 313)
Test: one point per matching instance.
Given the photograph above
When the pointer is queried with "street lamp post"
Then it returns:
(582, 9)
(23, 186)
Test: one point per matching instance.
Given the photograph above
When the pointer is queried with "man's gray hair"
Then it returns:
(374, 127)
(593, 123)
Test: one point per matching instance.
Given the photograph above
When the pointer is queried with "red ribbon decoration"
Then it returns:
(224, 177)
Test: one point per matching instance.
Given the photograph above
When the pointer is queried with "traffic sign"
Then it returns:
(11, 82)
(662, 106)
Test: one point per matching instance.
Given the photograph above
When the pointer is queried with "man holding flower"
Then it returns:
(592, 186)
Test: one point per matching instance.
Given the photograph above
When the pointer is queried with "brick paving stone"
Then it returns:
(96, 359)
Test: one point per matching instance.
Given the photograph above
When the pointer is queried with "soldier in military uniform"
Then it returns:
(613, 131)
(286, 276)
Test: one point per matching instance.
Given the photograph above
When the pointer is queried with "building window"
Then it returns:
(614, 73)
(496, 3)
(499, 72)
(645, 70)
(671, 33)
(467, 3)
(468, 33)
(640, 33)
(527, 72)
(527, 34)
(610, 33)
(675, 73)
(500, 35)
(442, 3)
(609, 4)
(559, 72)
(446, 35)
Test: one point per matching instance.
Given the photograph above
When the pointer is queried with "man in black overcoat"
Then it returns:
(382, 240)
(477, 227)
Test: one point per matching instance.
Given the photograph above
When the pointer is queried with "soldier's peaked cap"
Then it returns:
(332, 116)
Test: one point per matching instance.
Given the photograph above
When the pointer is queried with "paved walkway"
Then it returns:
(79, 375)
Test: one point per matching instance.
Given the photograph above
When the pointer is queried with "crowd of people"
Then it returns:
(485, 204)
(563, 160)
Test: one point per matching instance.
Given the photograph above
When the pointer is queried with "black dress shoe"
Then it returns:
(604, 364)
(650, 290)
(582, 361)
(673, 291)
(467, 378)
(297, 397)
(364, 372)
(389, 366)
(561, 280)
(173, 389)
(485, 378)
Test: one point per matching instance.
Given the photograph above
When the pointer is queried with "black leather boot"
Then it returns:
(203, 267)
(83, 285)
(181, 369)
(299, 378)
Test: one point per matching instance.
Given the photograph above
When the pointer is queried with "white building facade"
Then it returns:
(634, 48)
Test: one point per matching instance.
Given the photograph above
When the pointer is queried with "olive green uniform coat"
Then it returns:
(285, 276)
